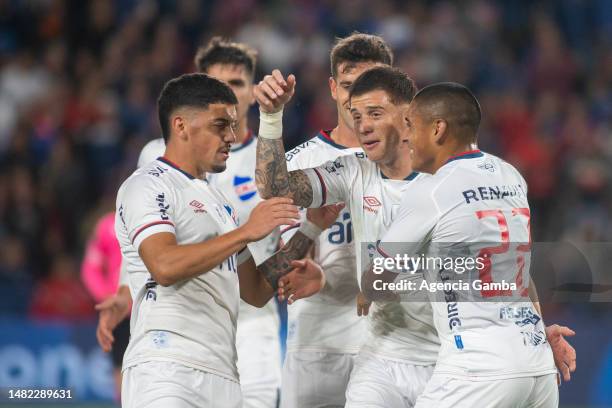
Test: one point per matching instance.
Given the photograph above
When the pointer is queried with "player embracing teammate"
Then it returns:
(396, 361)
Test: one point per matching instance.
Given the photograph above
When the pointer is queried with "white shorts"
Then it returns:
(315, 379)
(533, 392)
(161, 384)
(378, 382)
(259, 366)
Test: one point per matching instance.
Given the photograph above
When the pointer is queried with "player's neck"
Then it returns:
(397, 169)
(242, 133)
(454, 151)
(184, 161)
(344, 135)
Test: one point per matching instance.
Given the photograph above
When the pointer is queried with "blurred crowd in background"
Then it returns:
(79, 82)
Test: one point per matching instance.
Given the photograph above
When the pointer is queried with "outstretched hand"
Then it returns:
(563, 353)
(306, 279)
(112, 311)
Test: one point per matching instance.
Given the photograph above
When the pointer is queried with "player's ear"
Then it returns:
(179, 126)
(440, 133)
(404, 111)
(333, 87)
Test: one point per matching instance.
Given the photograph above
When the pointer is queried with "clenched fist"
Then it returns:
(274, 91)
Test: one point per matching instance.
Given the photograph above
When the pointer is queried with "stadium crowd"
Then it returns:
(79, 82)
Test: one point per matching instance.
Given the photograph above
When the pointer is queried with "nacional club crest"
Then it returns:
(245, 187)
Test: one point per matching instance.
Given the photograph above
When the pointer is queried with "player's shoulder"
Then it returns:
(155, 175)
(316, 150)
(303, 150)
(420, 183)
(507, 168)
(487, 166)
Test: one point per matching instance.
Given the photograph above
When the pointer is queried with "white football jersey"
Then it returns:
(327, 321)
(192, 322)
(400, 331)
(237, 182)
(476, 206)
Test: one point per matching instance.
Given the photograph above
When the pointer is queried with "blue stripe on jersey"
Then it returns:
(174, 166)
(410, 177)
(472, 154)
(458, 342)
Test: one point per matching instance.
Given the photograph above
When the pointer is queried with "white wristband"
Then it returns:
(310, 229)
(271, 125)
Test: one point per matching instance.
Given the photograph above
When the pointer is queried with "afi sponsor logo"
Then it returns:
(163, 207)
(371, 204)
(197, 206)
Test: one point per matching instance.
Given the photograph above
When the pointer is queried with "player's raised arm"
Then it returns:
(271, 175)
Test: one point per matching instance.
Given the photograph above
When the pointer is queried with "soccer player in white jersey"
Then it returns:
(324, 332)
(259, 367)
(258, 337)
(184, 233)
(400, 349)
(493, 353)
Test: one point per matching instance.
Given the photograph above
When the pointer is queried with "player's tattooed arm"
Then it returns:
(300, 244)
(303, 277)
(279, 264)
(272, 177)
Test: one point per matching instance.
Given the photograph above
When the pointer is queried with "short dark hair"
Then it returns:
(359, 47)
(456, 103)
(190, 90)
(396, 83)
(221, 51)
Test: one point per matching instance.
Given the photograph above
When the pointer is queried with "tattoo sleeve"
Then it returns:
(280, 263)
(272, 177)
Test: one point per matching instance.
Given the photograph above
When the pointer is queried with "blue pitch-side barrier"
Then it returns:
(61, 355)
(54, 355)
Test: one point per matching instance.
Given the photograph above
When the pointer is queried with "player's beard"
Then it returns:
(218, 168)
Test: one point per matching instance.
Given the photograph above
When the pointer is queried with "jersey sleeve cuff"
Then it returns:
(243, 255)
(149, 229)
(319, 190)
